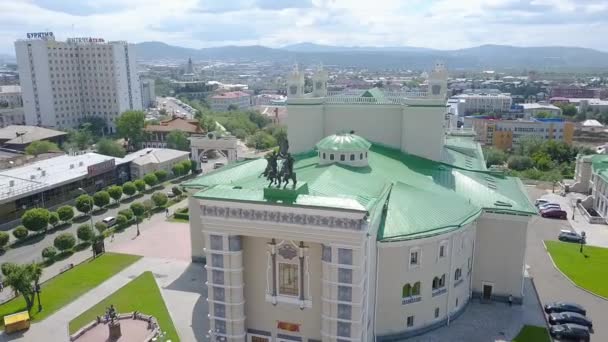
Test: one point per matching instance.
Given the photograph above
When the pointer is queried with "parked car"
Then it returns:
(170, 194)
(564, 307)
(204, 159)
(555, 213)
(570, 317)
(109, 221)
(570, 332)
(549, 206)
(541, 201)
(218, 165)
(570, 236)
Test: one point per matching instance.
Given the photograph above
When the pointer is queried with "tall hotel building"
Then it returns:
(64, 82)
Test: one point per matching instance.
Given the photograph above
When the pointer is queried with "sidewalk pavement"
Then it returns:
(119, 239)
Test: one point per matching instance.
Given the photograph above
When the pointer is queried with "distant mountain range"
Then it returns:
(481, 57)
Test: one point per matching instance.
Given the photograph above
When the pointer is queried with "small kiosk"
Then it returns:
(16, 322)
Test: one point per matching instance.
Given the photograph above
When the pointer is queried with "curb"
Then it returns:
(570, 280)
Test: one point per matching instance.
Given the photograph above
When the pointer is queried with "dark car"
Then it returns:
(556, 213)
(564, 307)
(570, 236)
(569, 332)
(570, 317)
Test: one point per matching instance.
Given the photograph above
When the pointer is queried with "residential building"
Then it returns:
(485, 103)
(388, 233)
(572, 92)
(64, 82)
(11, 106)
(591, 125)
(505, 134)
(591, 178)
(11, 116)
(148, 95)
(149, 160)
(590, 105)
(532, 109)
(157, 134)
(237, 99)
(18, 137)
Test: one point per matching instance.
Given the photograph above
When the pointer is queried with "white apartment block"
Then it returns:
(221, 102)
(11, 106)
(485, 103)
(64, 82)
(148, 95)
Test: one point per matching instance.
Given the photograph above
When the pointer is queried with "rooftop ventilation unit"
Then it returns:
(43, 173)
(32, 176)
(80, 163)
(11, 182)
(71, 166)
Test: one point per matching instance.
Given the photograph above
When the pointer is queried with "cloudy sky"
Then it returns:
(441, 24)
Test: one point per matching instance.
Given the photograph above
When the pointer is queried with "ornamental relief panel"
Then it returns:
(281, 217)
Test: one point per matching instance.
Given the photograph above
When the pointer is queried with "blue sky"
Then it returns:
(441, 24)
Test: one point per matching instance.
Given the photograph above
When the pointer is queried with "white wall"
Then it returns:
(305, 126)
(423, 132)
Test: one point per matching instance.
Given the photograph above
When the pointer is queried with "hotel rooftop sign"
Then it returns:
(41, 35)
(85, 40)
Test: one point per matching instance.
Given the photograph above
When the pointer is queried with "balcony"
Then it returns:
(410, 300)
(440, 291)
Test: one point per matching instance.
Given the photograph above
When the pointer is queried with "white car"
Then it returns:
(541, 201)
(109, 221)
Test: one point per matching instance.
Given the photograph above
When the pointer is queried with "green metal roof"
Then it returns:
(375, 93)
(599, 164)
(343, 142)
(369, 187)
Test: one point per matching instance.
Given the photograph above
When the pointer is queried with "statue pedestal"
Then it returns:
(115, 332)
(289, 193)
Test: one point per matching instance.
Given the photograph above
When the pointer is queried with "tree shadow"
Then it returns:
(48, 262)
(113, 205)
(63, 255)
(82, 246)
(100, 211)
(30, 240)
(59, 227)
(80, 219)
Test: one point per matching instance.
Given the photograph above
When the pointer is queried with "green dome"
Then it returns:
(343, 142)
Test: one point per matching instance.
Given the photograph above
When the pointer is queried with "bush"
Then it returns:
(148, 205)
(150, 179)
(36, 219)
(121, 221)
(65, 213)
(7, 267)
(138, 209)
(115, 192)
(65, 241)
(187, 166)
(159, 199)
(161, 175)
(20, 233)
(4, 238)
(100, 226)
(85, 232)
(53, 219)
(84, 203)
(140, 185)
(129, 188)
(49, 252)
(101, 198)
(128, 213)
(520, 163)
(177, 170)
(176, 191)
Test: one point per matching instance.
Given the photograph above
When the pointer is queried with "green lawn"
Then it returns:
(70, 285)
(531, 333)
(142, 295)
(587, 269)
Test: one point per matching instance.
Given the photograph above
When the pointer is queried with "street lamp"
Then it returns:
(37, 290)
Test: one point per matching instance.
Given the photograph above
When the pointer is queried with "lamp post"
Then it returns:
(37, 289)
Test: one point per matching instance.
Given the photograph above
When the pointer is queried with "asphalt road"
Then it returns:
(31, 251)
(172, 107)
(551, 284)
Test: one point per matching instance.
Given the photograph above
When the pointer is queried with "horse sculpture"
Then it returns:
(286, 172)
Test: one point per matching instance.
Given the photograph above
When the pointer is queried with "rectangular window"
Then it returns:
(345, 256)
(345, 293)
(344, 311)
(326, 256)
(216, 242)
(436, 312)
(343, 329)
(218, 277)
(410, 321)
(441, 251)
(217, 260)
(219, 294)
(288, 280)
(414, 261)
(234, 243)
(220, 326)
(345, 275)
(219, 310)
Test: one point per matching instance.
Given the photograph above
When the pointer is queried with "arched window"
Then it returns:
(435, 283)
(416, 289)
(352, 157)
(342, 157)
(457, 274)
(442, 281)
(366, 155)
(407, 291)
(361, 156)
(331, 156)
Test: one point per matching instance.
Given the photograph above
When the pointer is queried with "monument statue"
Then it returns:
(113, 323)
(286, 172)
(272, 172)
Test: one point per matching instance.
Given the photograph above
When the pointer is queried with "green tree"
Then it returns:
(129, 189)
(177, 169)
(529, 145)
(121, 221)
(64, 241)
(101, 227)
(138, 209)
(84, 203)
(128, 213)
(520, 163)
(66, 213)
(159, 199)
(140, 185)
(178, 140)
(542, 161)
(110, 148)
(115, 192)
(494, 156)
(4, 239)
(187, 166)
(150, 179)
(569, 110)
(49, 252)
(96, 125)
(232, 107)
(161, 175)
(176, 191)
(148, 205)
(130, 125)
(40, 147)
(85, 232)
(261, 141)
(36, 219)
(53, 219)
(208, 123)
(101, 198)
(23, 279)
(80, 139)
(20, 232)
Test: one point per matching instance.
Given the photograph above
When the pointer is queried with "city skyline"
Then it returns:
(197, 24)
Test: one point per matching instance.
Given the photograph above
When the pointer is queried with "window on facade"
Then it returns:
(326, 254)
(331, 156)
(345, 275)
(217, 260)
(345, 256)
(457, 274)
(216, 242)
(219, 310)
(407, 291)
(410, 321)
(438, 282)
(342, 157)
(345, 293)
(220, 326)
(344, 311)
(217, 277)
(352, 157)
(442, 281)
(436, 312)
(324, 155)
(416, 289)
(361, 156)
(456, 302)
(443, 247)
(219, 294)
(288, 280)
(234, 243)
(414, 258)
(343, 329)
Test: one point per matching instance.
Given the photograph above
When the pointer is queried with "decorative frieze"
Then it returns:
(410, 300)
(439, 291)
(281, 217)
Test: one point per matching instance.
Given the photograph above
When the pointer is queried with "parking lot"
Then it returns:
(551, 284)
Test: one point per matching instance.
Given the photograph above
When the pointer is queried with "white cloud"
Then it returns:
(442, 24)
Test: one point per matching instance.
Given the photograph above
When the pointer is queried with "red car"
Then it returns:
(557, 213)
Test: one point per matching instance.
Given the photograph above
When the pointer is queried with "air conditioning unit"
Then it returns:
(11, 182)
(32, 176)
(80, 163)
(71, 166)
(43, 173)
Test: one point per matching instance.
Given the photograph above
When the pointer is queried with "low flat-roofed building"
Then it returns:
(238, 99)
(19, 137)
(153, 159)
(157, 134)
(532, 109)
